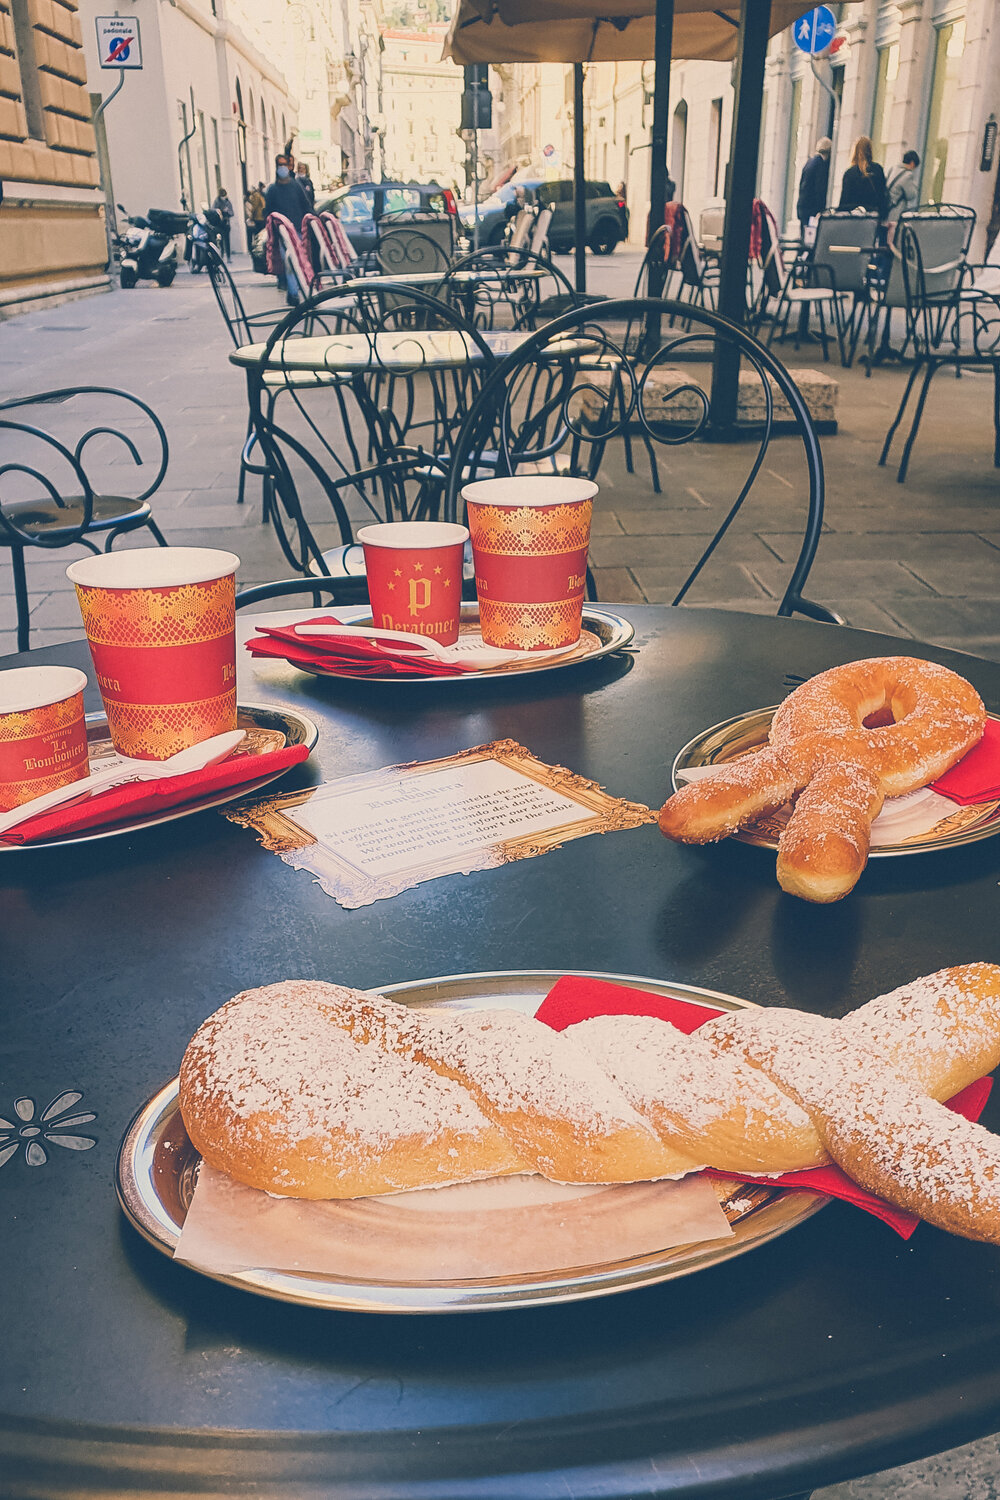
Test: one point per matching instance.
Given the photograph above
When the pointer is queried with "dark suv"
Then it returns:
(607, 215)
(361, 205)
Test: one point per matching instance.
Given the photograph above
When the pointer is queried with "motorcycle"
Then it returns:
(203, 229)
(147, 249)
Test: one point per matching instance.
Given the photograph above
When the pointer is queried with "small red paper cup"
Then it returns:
(414, 571)
(161, 625)
(43, 733)
(530, 538)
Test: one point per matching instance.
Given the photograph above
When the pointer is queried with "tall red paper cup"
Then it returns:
(161, 624)
(414, 573)
(43, 733)
(530, 538)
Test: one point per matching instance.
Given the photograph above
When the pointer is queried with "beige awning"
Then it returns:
(575, 31)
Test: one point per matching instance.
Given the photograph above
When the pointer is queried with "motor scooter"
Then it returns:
(204, 228)
(146, 249)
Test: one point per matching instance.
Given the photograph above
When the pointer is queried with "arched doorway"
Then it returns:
(241, 138)
(678, 149)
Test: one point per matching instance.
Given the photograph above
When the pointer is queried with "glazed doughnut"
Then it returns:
(838, 745)
(309, 1090)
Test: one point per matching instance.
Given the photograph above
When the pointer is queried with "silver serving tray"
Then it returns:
(610, 633)
(157, 1169)
(734, 737)
(296, 728)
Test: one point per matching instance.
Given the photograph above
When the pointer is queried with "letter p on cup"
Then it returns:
(414, 571)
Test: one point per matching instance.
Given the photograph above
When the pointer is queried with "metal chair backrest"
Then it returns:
(409, 250)
(943, 232)
(227, 296)
(843, 249)
(540, 232)
(339, 242)
(296, 259)
(129, 435)
(46, 469)
(317, 240)
(521, 232)
(711, 222)
(584, 381)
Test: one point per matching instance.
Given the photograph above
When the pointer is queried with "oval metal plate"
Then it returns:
(157, 1169)
(297, 729)
(609, 633)
(735, 737)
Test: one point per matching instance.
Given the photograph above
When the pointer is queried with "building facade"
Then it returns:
(920, 75)
(423, 108)
(52, 238)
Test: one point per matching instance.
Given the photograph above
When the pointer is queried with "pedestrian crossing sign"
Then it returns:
(118, 44)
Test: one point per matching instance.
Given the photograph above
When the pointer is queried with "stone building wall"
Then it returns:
(52, 236)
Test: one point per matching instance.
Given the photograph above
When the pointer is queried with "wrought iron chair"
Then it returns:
(939, 336)
(376, 445)
(69, 489)
(836, 268)
(943, 233)
(498, 287)
(676, 244)
(405, 248)
(248, 328)
(589, 378)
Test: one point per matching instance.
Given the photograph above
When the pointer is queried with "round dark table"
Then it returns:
(836, 1350)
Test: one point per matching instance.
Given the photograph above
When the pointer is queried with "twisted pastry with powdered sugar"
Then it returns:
(311, 1090)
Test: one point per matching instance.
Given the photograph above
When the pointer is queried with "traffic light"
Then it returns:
(477, 101)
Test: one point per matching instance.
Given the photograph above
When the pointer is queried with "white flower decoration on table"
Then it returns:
(33, 1131)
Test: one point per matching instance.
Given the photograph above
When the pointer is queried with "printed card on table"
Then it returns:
(371, 836)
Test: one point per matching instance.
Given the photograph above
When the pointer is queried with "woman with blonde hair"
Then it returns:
(864, 182)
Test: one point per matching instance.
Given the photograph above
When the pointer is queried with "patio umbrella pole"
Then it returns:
(741, 187)
(662, 47)
(579, 182)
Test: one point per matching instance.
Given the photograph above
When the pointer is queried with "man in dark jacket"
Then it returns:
(813, 183)
(287, 196)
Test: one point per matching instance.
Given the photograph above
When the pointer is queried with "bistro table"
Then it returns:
(834, 1350)
(395, 352)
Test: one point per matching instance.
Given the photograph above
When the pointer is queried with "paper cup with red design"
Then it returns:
(414, 571)
(530, 538)
(43, 734)
(161, 624)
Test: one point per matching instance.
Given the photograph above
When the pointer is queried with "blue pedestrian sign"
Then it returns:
(814, 31)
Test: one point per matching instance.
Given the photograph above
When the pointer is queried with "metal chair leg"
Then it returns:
(899, 417)
(157, 533)
(905, 461)
(21, 598)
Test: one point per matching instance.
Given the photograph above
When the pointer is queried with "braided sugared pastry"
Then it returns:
(314, 1091)
(839, 745)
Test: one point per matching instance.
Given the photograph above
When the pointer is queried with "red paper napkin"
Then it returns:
(577, 998)
(348, 655)
(138, 799)
(976, 777)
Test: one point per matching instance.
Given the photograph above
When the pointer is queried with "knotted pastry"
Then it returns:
(310, 1090)
(839, 767)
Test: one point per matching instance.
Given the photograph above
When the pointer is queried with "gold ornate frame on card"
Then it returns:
(274, 822)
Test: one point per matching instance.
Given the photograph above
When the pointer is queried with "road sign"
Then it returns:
(118, 44)
(814, 31)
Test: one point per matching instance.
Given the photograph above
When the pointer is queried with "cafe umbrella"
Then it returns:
(582, 31)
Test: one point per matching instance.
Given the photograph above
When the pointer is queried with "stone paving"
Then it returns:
(917, 560)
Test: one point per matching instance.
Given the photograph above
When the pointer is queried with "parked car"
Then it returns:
(607, 215)
(361, 205)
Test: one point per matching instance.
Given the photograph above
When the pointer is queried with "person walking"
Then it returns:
(287, 196)
(223, 206)
(903, 187)
(305, 183)
(813, 184)
(863, 185)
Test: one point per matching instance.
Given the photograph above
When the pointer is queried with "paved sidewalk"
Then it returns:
(920, 559)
